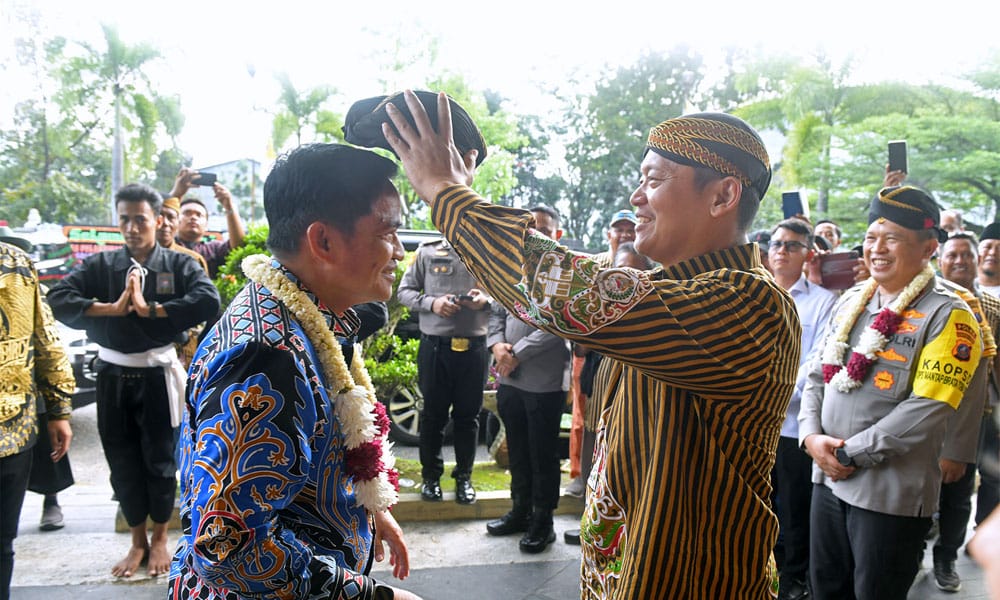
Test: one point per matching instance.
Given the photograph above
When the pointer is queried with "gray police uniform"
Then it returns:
(894, 427)
(452, 359)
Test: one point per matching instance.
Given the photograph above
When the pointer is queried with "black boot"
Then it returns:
(540, 532)
(431, 490)
(515, 521)
(464, 492)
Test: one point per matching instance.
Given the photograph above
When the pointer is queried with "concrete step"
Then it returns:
(412, 509)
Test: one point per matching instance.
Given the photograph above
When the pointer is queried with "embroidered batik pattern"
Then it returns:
(603, 530)
(264, 495)
(573, 293)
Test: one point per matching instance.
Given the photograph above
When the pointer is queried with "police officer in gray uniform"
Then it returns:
(451, 362)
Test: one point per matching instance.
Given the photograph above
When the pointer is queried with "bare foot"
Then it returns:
(128, 565)
(159, 558)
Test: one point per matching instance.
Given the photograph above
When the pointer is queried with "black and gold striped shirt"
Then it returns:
(709, 351)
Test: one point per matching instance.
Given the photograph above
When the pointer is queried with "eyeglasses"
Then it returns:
(789, 245)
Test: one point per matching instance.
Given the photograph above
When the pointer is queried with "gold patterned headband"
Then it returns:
(718, 141)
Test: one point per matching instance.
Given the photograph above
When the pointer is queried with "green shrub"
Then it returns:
(391, 362)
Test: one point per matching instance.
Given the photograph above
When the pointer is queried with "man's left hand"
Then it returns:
(479, 301)
(223, 196)
(60, 434)
(951, 470)
(430, 158)
(388, 530)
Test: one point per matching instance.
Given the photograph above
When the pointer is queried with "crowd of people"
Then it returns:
(735, 423)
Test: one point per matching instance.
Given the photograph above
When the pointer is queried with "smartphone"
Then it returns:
(837, 269)
(791, 205)
(897, 156)
(460, 297)
(204, 178)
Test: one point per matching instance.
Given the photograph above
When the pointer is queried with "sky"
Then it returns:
(221, 56)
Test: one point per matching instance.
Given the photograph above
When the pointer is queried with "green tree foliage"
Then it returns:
(57, 155)
(302, 113)
(611, 125)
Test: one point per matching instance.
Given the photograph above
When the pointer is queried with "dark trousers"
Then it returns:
(860, 554)
(954, 510)
(48, 477)
(133, 420)
(989, 468)
(532, 424)
(793, 487)
(451, 382)
(14, 472)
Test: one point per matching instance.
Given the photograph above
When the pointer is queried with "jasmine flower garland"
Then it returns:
(362, 418)
(873, 339)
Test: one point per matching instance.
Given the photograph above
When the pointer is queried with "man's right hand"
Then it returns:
(183, 182)
(123, 305)
(430, 158)
(893, 178)
(504, 357)
(822, 449)
(444, 307)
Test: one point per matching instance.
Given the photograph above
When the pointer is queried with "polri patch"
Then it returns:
(165, 283)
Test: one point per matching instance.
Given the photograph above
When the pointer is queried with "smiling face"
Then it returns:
(372, 252)
(894, 255)
(675, 221)
(620, 232)
(958, 262)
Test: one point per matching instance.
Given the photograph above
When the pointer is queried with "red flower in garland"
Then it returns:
(365, 461)
(381, 419)
(393, 475)
(829, 371)
(887, 322)
(858, 366)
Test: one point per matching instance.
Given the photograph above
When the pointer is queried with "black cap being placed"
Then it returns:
(363, 124)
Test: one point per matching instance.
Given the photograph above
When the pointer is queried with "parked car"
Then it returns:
(405, 404)
(81, 353)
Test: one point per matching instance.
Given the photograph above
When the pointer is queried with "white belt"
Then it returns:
(173, 372)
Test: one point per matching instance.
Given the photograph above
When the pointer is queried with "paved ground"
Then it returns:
(447, 557)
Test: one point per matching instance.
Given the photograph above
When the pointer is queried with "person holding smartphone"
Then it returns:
(452, 361)
(194, 221)
(789, 250)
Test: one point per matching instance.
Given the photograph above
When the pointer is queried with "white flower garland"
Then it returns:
(351, 388)
(872, 340)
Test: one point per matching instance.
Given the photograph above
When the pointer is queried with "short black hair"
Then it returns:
(749, 198)
(964, 235)
(798, 227)
(546, 209)
(628, 249)
(194, 200)
(333, 183)
(139, 192)
(840, 234)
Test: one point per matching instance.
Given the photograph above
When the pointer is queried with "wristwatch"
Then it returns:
(843, 458)
(152, 309)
